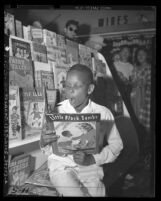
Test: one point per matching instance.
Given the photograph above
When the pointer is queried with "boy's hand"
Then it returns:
(48, 138)
(82, 158)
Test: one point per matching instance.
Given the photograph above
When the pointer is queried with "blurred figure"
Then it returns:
(71, 29)
(37, 24)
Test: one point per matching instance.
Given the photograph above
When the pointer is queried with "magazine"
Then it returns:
(15, 128)
(19, 170)
(20, 72)
(85, 57)
(19, 28)
(36, 34)
(9, 24)
(20, 48)
(75, 131)
(60, 41)
(49, 38)
(51, 99)
(39, 52)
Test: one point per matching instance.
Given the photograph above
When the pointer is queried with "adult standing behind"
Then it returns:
(71, 30)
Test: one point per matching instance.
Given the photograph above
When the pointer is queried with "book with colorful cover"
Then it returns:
(20, 48)
(43, 75)
(36, 34)
(72, 52)
(39, 52)
(76, 132)
(9, 24)
(15, 126)
(19, 28)
(49, 38)
(19, 170)
(60, 41)
(20, 72)
(32, 109)
(60, 73)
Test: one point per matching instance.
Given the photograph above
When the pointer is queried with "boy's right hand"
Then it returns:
(48, 138)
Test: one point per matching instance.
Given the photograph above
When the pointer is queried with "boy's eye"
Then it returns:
(75, 87)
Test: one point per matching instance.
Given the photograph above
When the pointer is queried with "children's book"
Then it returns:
(32, 109)
(72, 52)
(49, 38)
(19, 28)
(39, 52)
(36, 34)
(75, 132)
(19, 170)
(60, 73)
(20, 72)
(15, 128)
(20, 48)
(43, 75)
(9, 24)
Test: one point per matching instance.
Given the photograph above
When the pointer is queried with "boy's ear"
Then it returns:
(90, 89)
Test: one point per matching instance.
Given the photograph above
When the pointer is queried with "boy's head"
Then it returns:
(79, 85)
(71, 29)
(125, 53)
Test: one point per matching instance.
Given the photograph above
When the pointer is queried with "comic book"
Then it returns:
(85, 57)
(15, 128)
(51, 99)
(60, 73)
(36, 34)
(60, 41)
(72, 52)
(19, 170)
(20, 48)
(32, 110)
(20, 72)
(9, 24)
(75, 131)
(39, 52)
(19, 28)
(49, 38)
(43, 75)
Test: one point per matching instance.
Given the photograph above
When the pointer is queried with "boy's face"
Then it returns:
(124, 54)
(78, 88)
(71, 31)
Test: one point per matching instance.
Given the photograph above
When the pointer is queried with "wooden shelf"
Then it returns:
(29, 140)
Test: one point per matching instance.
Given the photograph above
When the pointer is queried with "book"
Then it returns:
(36, 34)
(85, 57)
(43, 75)
(76, 132)
(19, 28)
(60, 41)
(26, 33)
(51, 99)
(9, 24)
(20, 72)
(19, 47)
(60, 73)
(49, 38)
(19, 169)
(15, 128)
(53, 53)
(32, 110)
(72, 52)
(39, 52)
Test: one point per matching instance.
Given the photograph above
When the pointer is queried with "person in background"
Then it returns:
(37, 24)
(141, 92)
(80, 174)
(71, 29)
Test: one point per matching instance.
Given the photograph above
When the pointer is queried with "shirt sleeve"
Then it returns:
(111, 151)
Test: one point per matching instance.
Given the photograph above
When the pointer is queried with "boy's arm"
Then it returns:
(111, 151)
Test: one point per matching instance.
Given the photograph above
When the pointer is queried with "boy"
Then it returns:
(71, 29)
(80, 174)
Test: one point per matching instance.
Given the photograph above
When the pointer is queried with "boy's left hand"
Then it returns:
(82, 158)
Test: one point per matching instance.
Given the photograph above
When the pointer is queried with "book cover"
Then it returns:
(51, 99)
(26, 33)
(85, 56)
(60, 74)
(19, 169)
(19, 28)
(32, 110)
(72, 52)
(15, 128)
(20, 72)
(60, 41)
(53, 53)
(49, 38)
(99, 66)
(39, 52)
(9, 24)
(19, 47)
(43, 75)
(36, 34)
(75, 131)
